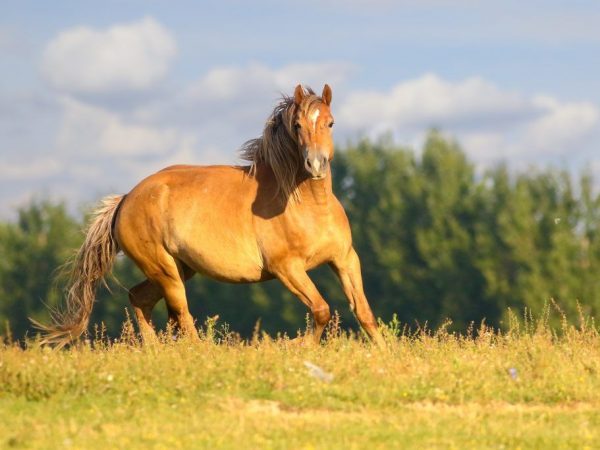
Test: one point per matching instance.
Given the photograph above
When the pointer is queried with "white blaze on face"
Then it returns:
(315, 163)
(313, 118)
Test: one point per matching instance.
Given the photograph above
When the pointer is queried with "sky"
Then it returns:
(94, 98)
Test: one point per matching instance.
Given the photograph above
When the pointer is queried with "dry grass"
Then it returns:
(529, 387)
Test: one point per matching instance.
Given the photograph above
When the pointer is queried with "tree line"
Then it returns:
(436, 238)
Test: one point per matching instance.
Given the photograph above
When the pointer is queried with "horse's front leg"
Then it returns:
(295, 278)
(347, 269)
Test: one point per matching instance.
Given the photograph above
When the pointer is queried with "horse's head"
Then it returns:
(313, 124)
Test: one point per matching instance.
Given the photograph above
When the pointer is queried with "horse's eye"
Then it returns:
(331, 124)
(297, 125)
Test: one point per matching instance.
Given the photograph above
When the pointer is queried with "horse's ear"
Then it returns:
(326, 95)
(298, 94)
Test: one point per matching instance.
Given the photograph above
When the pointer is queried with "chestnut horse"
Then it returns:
(277, 217)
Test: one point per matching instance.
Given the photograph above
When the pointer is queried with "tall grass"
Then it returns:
(531, 386)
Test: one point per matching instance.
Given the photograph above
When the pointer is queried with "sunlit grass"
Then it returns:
(530, 387)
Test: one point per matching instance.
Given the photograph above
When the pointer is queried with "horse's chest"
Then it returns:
(312, 240)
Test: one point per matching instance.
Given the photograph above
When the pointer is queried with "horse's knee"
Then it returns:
(322, 316)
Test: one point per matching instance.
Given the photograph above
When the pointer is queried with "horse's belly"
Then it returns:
(224, 260)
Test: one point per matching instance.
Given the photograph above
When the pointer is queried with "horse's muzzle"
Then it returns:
(316, 165)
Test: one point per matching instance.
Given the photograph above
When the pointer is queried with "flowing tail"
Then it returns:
(92, 262)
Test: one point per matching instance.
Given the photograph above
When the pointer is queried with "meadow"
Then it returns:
(535, 385)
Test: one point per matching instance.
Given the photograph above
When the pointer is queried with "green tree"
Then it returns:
(32, 250)
(436, 239)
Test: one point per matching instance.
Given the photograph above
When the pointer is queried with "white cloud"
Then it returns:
(95, 132)
(489, 122)
(29, 170)
(562, 126)
(260, 81)
(431, 101)
(124, 57)
(109, 151)
(562, 132)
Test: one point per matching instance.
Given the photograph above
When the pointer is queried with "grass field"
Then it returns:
(530, 387)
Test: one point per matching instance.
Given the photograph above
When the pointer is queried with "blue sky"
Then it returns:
(94, 98)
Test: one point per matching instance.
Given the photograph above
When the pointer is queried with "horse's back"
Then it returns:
(200, 215)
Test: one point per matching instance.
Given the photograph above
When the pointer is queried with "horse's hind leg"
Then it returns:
(170, 278)
(187, 273)
(143, 298)
(166, 278)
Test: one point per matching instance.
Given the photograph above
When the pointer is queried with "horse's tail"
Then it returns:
(92, 262)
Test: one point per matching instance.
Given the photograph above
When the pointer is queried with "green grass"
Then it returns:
(427, 390)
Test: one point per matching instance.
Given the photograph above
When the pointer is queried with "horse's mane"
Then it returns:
(278, 145)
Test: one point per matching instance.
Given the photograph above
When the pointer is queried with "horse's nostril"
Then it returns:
(307, 165)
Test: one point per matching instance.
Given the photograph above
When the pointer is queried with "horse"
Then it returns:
(276, 217)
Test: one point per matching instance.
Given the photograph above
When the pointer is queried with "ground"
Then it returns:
(529, 387)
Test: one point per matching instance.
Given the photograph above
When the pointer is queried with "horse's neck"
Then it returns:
(318, 192)
(312, 192)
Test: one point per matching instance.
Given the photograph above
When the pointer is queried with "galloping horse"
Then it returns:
(276, 218)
